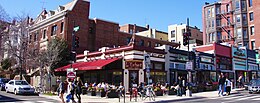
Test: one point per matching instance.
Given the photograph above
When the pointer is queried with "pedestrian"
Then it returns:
(71, 91)
(221, 83)
(239, 80)
(78, 84)
(61, 91)
(228, 86)
(179, 86)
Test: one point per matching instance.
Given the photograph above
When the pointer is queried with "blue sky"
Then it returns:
(157, 13)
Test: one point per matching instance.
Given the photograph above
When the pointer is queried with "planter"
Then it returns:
(84, 91)
(93, 93)
(103, 94)
(159, 93)
(171, 92)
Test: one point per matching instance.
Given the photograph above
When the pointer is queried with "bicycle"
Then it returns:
(148, 93)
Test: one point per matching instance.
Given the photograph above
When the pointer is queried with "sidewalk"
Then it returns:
(166, 98)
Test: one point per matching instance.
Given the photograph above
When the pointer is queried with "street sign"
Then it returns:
(76, 28)
(147, 62)
(71, 73)
(189, 66)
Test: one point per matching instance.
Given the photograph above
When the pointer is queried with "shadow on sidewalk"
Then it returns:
(177, 100)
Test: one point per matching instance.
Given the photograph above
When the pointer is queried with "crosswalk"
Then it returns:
(237, 97)
(32, 102)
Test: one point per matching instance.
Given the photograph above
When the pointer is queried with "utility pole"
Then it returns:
(189, 60)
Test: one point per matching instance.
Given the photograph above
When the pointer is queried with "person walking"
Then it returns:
(61, 91)
(239, 80)
(78, 84)
(71, 90)
(179, 86)
(221, 83)
(228, 86)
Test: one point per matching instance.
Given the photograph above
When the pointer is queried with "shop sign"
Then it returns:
(189, 66)
(238, 52)
(208, 60)
(133, 64)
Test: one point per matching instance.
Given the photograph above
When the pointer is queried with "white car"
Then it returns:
(19, 87)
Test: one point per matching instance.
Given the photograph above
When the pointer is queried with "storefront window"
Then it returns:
(158, 77)
(213, 76)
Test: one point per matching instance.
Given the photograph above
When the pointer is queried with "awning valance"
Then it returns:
(92, 65)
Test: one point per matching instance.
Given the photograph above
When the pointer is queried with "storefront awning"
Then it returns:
(92, 65)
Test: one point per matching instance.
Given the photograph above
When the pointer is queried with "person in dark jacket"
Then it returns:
(179, 86)
(78, 84)
(221, 83)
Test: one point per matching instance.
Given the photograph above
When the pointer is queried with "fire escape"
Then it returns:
(226, 26)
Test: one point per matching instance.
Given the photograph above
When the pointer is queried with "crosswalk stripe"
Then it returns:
(234, 97)
(256, 99)
(248, 97)
(44, 102)
(28, 102)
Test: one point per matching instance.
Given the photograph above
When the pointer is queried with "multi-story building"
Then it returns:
(231, 21)
(130, 28)
(153, 33)
(175, 34)
(93, 33)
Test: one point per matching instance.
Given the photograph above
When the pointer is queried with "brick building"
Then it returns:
(93, 33)
(232, 21)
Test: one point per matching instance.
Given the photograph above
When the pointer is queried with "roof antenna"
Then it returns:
(43, 2)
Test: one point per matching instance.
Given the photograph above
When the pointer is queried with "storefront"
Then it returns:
(177, 65)
(252, 64)
(206, 71)
(239, 63)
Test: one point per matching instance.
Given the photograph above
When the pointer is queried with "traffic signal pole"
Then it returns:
(189, 60)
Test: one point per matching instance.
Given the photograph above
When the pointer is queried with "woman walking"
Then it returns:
(78, 84)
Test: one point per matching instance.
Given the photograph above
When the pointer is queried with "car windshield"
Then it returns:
(255, 82)
(21, 83)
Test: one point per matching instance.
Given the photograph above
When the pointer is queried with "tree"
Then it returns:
(56, 55)
(6, 64)
(4, 19)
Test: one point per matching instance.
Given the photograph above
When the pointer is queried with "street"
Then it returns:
(12, 98)
(240, 96)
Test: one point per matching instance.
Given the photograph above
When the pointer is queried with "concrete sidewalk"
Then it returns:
(166, 98)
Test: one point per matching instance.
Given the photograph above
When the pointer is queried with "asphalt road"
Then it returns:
(240, 97)
(12, 98)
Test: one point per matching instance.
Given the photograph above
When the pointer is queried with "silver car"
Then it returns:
(19, 87)
(254, 86)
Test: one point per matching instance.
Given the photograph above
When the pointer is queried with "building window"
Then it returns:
(172, 40)
(54, 30)
(90, 30)
(218, 22)
(157, 44)
(227, 7)
(173, 33)
(61, 27)
(252, 30)
(228, 20)
(141, 42)
(250, 3)
(209, 12)
(44, 34)
(213, 36)
(238, 18)
(30, 39)
(149, 44)
(36, 36)
(131, 31)
(209, 25)
(245, 33)
(239, 33)
(253, 45)
(213, 23)
(243, 5)
(213, 12)
(237, 5)
(244, 19)
(128, 40)
(219, 35)
(251, 16)
(229, 33)
(217, 10)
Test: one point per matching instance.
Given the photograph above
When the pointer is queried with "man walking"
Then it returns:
(221, 83)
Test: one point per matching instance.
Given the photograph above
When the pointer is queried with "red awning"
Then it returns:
(92, 65)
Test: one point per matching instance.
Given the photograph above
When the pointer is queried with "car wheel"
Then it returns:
(250, 92)
(15, 92)
(6, 90)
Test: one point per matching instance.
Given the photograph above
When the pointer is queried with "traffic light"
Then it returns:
(185, 38)
(76, 41)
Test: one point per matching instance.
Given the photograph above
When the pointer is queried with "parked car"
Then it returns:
(3, 81)
(254, 86)
(19, 87)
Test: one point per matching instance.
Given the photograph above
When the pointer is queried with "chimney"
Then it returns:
(147, 26)
(206, 3)
(134, 30)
